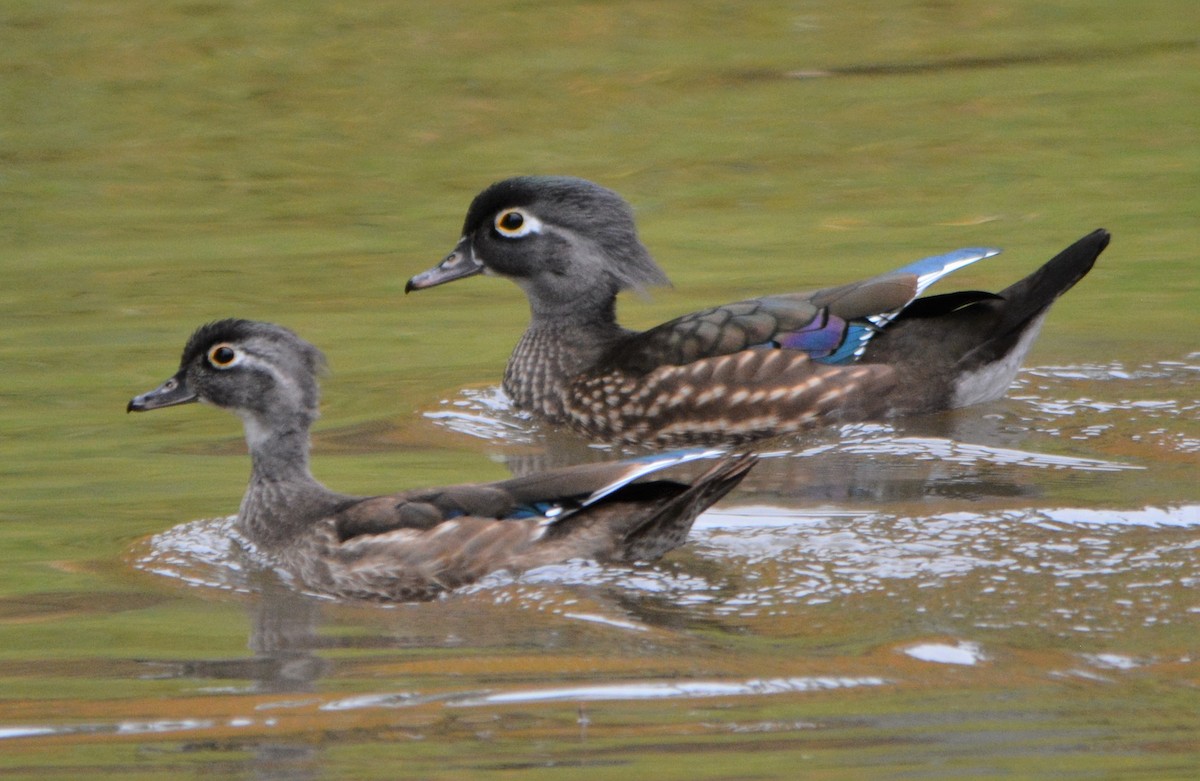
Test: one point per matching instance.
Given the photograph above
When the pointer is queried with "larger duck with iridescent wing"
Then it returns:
(766, 366)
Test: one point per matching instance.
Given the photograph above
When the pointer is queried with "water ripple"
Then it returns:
(208, 553)
(634, 690)
(760, 560)
(485, 413)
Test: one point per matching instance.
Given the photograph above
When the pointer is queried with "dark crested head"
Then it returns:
(567, 214)
(572, 202)
(259, 370)
(566, 241)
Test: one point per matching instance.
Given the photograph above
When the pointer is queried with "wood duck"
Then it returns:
(417, 543)
(762, 367)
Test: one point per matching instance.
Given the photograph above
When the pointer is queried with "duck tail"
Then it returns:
(1029, 297)
(667, 527)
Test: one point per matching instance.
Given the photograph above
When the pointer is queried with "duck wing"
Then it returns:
(832, 325)
(539, 496)
(615, 517)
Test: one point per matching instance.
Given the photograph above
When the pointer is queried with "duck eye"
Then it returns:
(510, 221)
(222, 356)
(514, 223)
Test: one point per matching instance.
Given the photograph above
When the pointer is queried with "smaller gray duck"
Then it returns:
(419, 543)
(763, 367)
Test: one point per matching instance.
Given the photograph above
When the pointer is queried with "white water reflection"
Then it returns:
(1182, 515)
(762, 559)
(606, 621)
(672, 690)
(484, 413)
(634, 690)
(1113, 661)
(206, 552)
(126, 728)
(963, 653)
(946, 450)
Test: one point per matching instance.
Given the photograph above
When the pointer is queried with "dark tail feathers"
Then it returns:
(668, 526)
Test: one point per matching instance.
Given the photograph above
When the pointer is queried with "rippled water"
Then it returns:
(795, 535)
(1031, 545)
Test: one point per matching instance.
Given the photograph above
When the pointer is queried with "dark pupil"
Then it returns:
(223, 355)
(512, 221)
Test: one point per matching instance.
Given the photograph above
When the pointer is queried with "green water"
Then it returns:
(1009, 591)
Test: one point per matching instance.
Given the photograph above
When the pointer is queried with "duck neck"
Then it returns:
(283, 499)
(278, 455)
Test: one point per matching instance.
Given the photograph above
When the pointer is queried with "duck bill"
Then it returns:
(458, 264)
(171, 393)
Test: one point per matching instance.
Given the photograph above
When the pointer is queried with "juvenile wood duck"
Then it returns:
(762, 367)
(418, 543)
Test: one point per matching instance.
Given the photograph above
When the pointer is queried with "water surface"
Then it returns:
(1005, 591)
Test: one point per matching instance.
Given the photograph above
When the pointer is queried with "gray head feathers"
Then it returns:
(281, 365)
(591, 214)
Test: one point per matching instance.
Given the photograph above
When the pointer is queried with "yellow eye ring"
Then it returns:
(223, 355)
(516, 223)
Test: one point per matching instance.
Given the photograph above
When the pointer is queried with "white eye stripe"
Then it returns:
(516, 223)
